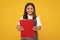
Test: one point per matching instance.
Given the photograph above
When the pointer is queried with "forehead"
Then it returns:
(29, 6)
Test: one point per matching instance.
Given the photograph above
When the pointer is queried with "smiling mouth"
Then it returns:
(30, 11)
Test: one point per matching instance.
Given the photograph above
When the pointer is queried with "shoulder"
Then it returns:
(38, 17)
(21, 18)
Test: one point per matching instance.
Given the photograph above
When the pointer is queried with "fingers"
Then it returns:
(19, 28)
(35, 28)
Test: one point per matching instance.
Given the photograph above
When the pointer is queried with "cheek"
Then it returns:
(27, 10)
(32, 10)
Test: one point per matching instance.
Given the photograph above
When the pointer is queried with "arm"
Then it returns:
(18, 27)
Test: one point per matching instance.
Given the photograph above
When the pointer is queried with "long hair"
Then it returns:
(25, 13)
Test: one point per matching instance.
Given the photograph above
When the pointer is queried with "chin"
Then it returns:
(30, 13)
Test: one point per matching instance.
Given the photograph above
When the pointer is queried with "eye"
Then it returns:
(27, 8)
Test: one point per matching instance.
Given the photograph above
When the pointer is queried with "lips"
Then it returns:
(29, 11)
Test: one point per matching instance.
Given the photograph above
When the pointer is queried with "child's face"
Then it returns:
(29, 10)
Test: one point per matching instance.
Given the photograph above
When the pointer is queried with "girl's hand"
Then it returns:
(36, 28)
(19, 28)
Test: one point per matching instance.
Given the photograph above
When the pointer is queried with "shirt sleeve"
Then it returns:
(38, 21)
(18, 21)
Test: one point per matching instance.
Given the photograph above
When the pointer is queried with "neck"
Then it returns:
(30, 14)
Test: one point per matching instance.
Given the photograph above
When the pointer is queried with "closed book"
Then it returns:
(28, 28)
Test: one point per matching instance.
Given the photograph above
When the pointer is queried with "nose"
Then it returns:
(29, 9)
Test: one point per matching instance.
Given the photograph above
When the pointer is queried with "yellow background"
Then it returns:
(12, 10)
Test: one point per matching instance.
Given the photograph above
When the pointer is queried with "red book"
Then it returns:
(28, 28)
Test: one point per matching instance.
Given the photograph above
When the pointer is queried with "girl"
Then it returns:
(29, 13)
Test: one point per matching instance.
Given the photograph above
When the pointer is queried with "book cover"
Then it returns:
(28, 28)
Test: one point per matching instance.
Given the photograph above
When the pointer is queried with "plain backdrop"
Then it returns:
(12, 10)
